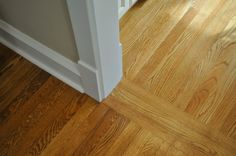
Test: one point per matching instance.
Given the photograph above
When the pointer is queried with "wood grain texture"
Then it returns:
(6, 58)
(177, 96)
(124, 140)
(166, 122)
(103, 135)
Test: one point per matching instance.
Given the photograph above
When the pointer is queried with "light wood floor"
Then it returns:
(177, 97)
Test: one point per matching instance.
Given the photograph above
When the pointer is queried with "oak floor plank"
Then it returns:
(136, 146)
(145, 143)
(76, 131)
(10, 86)
(211, 92)
(51, 122)
(145, 46)
(19, 100)
(166, 60)
(204, 59)
(229, 126)
(123, 141)
(133, 31)
(6, 57)
(156, 112)
(20, 135)
(103, 136)
(72, 105)
(16, 70)
(34, 103)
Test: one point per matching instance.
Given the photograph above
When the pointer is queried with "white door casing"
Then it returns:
(124, 6)
(95, 27)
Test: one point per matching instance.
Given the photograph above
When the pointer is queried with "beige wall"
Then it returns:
(47, 21)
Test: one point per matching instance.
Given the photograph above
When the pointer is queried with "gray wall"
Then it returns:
(47, 21)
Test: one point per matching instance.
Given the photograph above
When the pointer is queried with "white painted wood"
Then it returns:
(90, 80)
(81, 28)
(100, 28)
(55, 56)
(105, 34)
(96, 30)
(82, 32)
(124, 6)
(40, 55)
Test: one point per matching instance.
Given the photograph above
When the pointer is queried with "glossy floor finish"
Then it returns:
(177, 97)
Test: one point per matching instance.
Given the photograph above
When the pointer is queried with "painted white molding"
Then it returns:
(104, 23)
(82, 33)
(40, 55)
(96, 30)
(124, 6)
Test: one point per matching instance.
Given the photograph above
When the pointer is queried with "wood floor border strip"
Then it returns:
(136, 104)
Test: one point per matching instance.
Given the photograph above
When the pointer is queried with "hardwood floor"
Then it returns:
(177, 97)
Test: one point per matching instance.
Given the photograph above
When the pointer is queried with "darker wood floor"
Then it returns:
(35, 107)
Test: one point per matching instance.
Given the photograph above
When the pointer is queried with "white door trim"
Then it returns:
(124, 6)
(96, 30)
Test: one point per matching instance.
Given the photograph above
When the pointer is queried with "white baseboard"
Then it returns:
(99, 68)
(42, 56)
